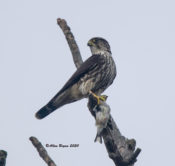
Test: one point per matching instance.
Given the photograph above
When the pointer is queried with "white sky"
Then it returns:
(35, 62)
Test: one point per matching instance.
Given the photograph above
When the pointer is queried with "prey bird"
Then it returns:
(94, 76)
(102, 116)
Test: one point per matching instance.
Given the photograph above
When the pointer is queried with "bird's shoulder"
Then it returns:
(95, 59)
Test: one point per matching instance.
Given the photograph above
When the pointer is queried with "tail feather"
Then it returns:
(44, 111)
(53, 104)
(98, 138)
(56, 102)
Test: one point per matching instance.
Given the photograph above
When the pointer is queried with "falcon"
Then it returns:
(94, 76)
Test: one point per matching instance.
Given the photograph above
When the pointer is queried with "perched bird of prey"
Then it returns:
(94, 76)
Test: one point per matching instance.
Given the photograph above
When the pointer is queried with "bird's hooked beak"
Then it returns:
(90, 43)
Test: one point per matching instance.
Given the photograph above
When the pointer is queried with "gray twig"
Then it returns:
(120, 149)
(42, 151)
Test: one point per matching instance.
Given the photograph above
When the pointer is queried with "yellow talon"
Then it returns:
(102, 97)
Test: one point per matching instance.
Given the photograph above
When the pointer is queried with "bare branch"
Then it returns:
(42, 151)
(3, 156)
(71, 42)
(120, 149)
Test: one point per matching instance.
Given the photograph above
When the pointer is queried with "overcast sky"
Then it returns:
(35, 62)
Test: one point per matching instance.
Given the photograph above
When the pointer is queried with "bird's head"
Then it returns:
(99, 45)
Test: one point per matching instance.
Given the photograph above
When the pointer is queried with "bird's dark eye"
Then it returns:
(93, 40)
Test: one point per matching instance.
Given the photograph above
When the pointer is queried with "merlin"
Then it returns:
(93, 77)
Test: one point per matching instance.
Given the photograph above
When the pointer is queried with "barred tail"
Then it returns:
(44, 111)
(59, 100)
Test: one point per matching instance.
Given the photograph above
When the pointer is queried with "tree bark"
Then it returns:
(120, 149)
(71, 42)
(42, 151)
(3, 156)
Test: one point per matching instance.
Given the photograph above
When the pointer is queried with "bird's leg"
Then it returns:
(99, 98)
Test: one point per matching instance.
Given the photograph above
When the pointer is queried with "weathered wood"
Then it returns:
(3, 156)
(71, 42)
(42, 151)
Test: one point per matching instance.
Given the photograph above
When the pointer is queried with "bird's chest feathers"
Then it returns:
(99, 78)
(86, 85)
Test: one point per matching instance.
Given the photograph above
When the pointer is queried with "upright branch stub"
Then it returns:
(71, 42)
(42, 151)
(3, 156)
(120, 149)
